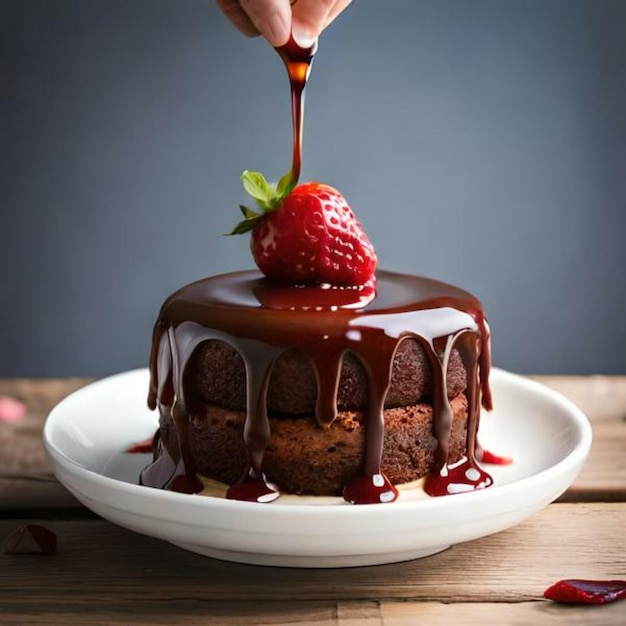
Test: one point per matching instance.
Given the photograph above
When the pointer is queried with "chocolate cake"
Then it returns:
(318, 390)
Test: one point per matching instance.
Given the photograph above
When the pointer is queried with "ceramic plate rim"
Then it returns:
(576, 456)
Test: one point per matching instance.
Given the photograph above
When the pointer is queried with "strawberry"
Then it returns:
(305, 235)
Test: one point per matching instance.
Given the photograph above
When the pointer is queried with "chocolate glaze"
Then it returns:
(261, 320)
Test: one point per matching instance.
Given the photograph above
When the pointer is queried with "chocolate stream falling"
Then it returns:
(298, 63)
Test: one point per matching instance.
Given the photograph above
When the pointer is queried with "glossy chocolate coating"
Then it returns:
(261, 321)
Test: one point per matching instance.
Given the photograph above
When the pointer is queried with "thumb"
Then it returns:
(310, 17)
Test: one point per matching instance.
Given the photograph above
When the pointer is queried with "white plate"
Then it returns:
(86, 435)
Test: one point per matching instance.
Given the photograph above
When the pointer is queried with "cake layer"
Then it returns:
(217, 375)
(304, 458)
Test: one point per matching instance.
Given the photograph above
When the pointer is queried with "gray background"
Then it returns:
(479, 142)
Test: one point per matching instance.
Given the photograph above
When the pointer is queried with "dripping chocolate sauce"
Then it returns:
(298, 63)
(261, 321)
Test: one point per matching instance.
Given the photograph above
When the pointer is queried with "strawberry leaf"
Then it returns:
(245, 225)
(268, 196)
(247, 212)
(285, 185)
(256, 185)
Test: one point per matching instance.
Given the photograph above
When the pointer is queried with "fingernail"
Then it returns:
(304, 40)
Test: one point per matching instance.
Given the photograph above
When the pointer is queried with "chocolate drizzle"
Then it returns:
(298, 63)
(261, 321)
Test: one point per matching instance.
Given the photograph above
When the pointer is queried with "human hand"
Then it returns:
(277, 19)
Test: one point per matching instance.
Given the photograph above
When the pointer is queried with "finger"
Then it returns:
(238, 17)
(308, 19)
(338, 8)
(272, 18)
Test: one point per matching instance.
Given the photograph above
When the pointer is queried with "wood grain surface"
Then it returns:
(107, 569)
(104, 574)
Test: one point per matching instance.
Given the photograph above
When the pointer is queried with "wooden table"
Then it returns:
(103, 574)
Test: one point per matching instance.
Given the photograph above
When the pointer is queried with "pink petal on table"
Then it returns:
(11, 410)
